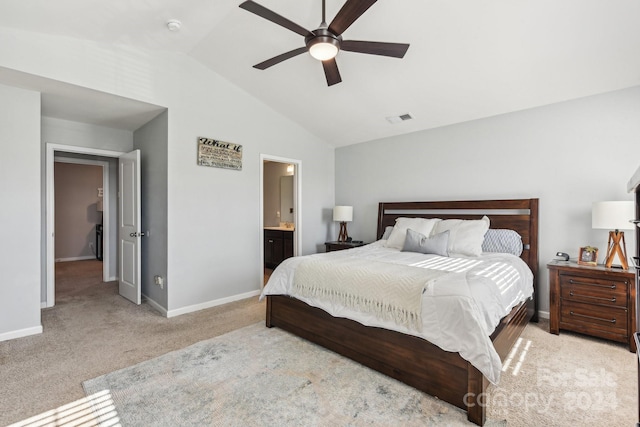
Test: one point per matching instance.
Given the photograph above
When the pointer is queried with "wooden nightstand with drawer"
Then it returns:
(594, 301)
(339, 246)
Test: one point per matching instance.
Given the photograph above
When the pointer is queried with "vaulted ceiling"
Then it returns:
(468, 59)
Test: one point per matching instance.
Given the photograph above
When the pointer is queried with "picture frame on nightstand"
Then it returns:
(588, 256)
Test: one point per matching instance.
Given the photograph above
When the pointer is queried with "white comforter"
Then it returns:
(460, 310)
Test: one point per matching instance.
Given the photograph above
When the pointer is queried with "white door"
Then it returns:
(130, 233)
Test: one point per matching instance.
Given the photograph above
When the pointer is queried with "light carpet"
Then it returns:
(263, 377)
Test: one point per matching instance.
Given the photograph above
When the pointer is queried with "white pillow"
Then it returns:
(387, 232)
(465, 235)
(399, 232)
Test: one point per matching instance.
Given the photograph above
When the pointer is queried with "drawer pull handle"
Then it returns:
(612, 299)
(593, 317)
(575, 282)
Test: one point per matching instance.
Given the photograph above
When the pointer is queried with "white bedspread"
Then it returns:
(460, 309)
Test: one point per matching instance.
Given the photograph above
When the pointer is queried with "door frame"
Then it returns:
(51, 150)
(297, 209)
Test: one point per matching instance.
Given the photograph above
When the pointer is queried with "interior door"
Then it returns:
(130, 233)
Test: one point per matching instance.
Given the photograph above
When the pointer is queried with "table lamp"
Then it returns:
(343, 214)
(614, 216)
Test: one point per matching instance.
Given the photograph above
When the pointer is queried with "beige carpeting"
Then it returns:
(551, 380)
(92, 331)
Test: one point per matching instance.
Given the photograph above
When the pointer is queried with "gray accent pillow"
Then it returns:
(418, 242)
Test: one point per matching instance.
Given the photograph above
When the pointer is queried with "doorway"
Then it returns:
(280, 213)
(79, 208)
(54, 152)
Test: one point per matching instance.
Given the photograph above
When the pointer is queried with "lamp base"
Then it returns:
(616, 246)
(342, 237)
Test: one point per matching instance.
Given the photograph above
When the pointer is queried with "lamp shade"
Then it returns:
(613, 215)
(343, 213)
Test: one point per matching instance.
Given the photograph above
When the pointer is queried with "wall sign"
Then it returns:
(219, 154)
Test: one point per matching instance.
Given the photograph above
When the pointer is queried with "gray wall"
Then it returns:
(76, 214)
(151, 140)
(568, 155)
(213, 214)
(20, 213)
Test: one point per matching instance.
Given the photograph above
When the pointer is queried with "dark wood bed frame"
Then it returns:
(409, 359)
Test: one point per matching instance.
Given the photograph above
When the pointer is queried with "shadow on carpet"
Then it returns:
(263, 377)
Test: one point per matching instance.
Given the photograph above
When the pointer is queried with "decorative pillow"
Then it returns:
(503, 241)
(418, 242)
(466, 236)
(399, 232)
(387, 232)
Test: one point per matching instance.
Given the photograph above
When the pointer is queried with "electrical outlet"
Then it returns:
(158, 280)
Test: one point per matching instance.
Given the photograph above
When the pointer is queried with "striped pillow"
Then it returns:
(503, 241)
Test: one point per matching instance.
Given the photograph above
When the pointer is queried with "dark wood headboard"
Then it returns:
(520, 215)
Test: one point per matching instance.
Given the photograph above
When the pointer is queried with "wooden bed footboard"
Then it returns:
(409, 359)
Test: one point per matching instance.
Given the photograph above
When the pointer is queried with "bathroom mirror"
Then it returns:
(286, 199)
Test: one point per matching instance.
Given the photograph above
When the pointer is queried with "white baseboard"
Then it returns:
(214, 303)
(76, 258)
(543, 314)
(20, 333)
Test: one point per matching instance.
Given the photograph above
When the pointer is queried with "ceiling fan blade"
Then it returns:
(396, 50)
(350, 11)
(278, 59)
(331, 72)
(269, 15)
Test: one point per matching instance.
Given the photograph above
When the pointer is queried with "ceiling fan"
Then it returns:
(326, 41)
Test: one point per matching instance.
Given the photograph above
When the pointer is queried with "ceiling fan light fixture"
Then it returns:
(323, 51)
(323, 45)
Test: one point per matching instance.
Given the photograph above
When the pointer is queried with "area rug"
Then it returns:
(261, 377)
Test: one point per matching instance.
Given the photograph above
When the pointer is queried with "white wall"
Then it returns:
(20, 213)
(568, 155)
(213, 214)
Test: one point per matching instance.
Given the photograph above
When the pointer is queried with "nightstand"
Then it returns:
(595, 301)
(339, 246)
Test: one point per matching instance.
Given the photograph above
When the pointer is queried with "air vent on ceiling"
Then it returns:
(400, 118)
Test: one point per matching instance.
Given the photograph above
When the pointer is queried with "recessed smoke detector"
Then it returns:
(174, 25)
(400, 118)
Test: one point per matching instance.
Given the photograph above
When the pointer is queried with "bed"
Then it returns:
(409, 358)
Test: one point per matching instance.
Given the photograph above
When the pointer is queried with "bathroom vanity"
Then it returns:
(278, 245)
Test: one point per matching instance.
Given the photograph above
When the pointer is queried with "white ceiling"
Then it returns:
(468, 58)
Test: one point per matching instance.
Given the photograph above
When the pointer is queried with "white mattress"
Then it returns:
(459, 311)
